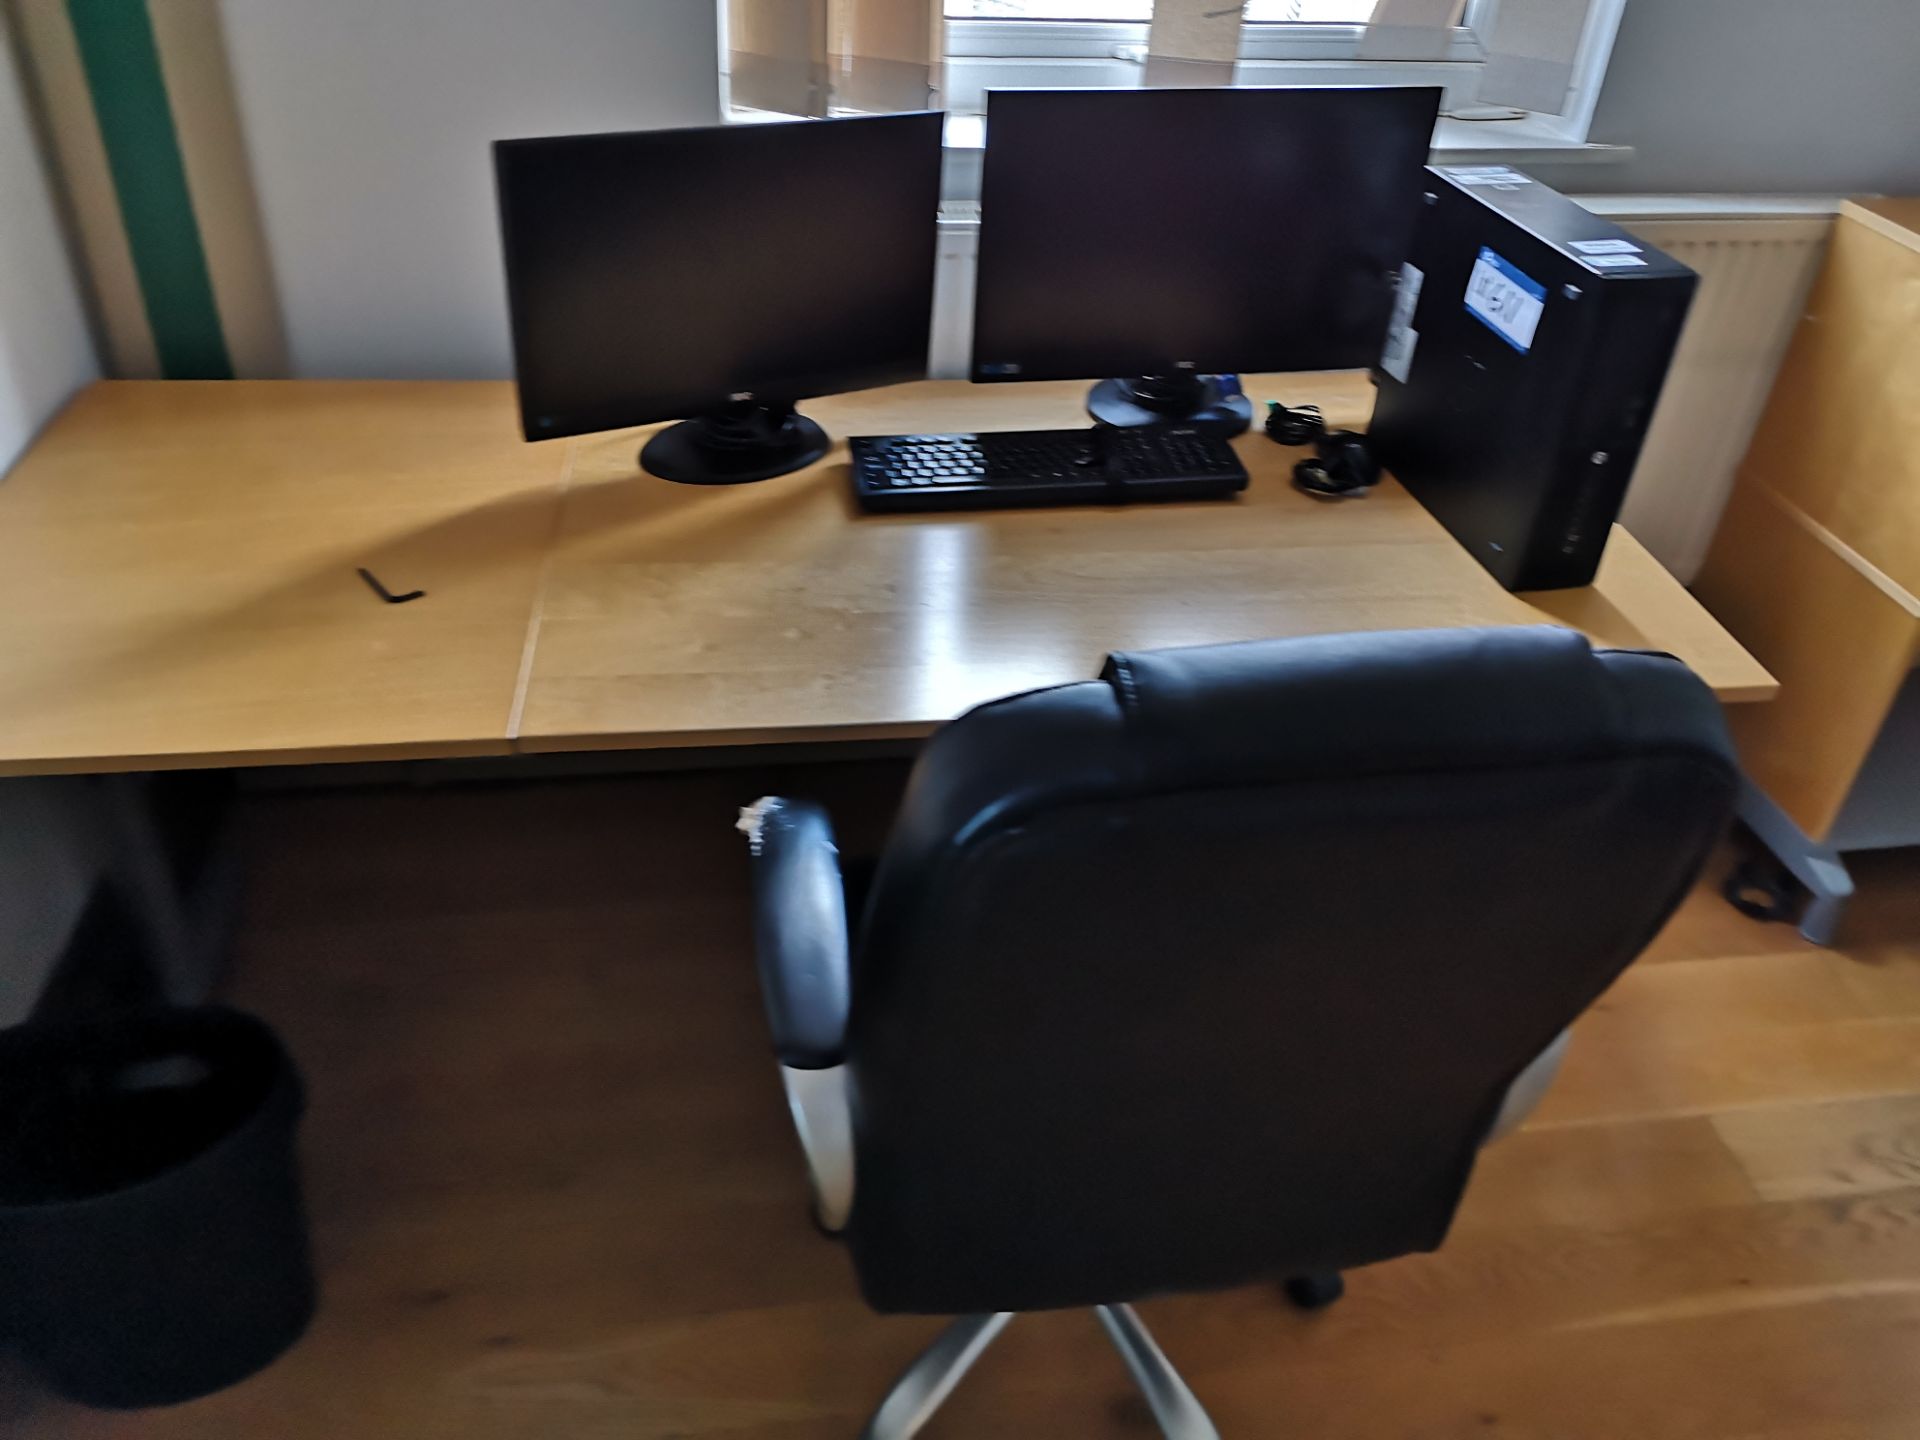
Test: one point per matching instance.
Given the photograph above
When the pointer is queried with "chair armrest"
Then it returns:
(800, 943)
(823, 1119)
(800, 930)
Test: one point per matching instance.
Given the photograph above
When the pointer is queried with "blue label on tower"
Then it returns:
(1505, 299)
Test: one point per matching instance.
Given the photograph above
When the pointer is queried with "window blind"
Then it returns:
(805, 57)
(1411, 29)
(1530, 54)
(884, 54)
(1193, 42)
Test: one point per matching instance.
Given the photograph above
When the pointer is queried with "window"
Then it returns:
(1102, 43)
(1300, 12)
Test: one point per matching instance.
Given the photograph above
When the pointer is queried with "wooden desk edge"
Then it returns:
(1747, 693)
(772, 736)
(346, 754)
(1735, 676)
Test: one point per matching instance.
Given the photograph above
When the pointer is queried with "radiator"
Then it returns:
(1755, 270)
(1756, 259)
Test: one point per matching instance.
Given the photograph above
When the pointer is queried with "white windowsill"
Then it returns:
(1715, 207)
(1527, 141)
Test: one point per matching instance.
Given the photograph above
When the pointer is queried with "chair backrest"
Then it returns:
(1219, 966)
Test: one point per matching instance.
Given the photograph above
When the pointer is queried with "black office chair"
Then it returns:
(1220, 967)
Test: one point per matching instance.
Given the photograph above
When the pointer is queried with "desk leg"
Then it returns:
(1815, 865)
(186, 924)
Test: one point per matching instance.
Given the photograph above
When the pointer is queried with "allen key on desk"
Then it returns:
(382, 591)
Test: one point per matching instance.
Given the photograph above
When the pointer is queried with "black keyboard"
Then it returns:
(1096, 466)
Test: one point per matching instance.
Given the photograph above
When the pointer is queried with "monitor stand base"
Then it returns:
(1187, 400)
(734, 445)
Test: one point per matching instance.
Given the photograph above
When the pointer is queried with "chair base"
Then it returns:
(920, 1392)
(1814, 863)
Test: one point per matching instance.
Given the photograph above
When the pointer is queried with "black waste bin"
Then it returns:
(153, 1245)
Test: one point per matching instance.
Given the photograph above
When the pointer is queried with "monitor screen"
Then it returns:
(657, 275)
(1159, 232)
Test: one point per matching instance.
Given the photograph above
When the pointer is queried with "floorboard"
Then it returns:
(554, 1194)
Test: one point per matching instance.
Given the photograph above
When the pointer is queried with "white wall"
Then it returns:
(1780, 96)
(48, 860)
(45, 350)
(368, 125)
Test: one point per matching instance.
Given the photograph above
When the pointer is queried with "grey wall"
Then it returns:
(1815, 96)
(45, 350)
(48, 857)
(368, 122)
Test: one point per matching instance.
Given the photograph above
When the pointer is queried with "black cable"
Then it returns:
(1300, 425)
(1342, 467)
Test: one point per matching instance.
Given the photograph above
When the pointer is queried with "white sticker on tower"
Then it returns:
(1505, 299)
(1397, 357)
(1486, 175)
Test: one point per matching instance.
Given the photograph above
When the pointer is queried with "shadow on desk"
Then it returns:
(233, 642)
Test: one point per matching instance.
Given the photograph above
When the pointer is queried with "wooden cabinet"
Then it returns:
(1816, 566)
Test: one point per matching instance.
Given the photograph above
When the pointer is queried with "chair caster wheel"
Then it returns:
(1315, 1292)
(1762, 889)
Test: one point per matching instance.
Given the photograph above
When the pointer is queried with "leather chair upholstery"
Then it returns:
(1223, 965)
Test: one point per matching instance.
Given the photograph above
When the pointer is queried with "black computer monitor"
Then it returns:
(1166, 236)
(719, 274)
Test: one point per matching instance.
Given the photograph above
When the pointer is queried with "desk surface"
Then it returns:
(177, 561)
(177, 571)
(673, 615)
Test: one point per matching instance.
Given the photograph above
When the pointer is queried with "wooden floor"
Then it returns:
(555, 1198)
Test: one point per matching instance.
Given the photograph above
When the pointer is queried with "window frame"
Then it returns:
(1010, 53)
(1006, 37)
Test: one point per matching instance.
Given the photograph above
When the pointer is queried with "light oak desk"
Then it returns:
(177, 574)
(177, 565)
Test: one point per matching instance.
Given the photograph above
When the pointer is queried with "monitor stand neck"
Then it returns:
(741, 441)
(1196, 401)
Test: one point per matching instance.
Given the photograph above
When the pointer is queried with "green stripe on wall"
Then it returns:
(122, 62)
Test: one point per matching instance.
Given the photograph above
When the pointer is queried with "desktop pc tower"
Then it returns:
(1527, 346)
